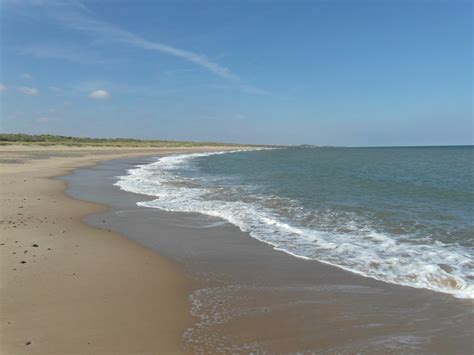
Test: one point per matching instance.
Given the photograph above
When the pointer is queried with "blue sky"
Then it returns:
(358, 73)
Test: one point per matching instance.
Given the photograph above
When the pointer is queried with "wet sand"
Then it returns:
(69, 288)
(249, 297)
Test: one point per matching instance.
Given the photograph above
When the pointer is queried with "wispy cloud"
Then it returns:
(62, 51)
(249, 89)
(3, 88)
(84, 21)
(55, 89)
(75, 15)
(26, 76)
(253, 90)
(27, 90)
(100, 95)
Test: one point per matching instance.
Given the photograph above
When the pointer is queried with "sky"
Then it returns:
(350, 73)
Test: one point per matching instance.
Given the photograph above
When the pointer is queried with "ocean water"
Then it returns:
(399, 215)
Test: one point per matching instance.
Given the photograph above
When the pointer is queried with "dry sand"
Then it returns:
(67, 287)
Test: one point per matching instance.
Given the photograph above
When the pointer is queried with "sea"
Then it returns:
(401, 215)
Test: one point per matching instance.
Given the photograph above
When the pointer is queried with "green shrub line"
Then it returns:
(50, 140)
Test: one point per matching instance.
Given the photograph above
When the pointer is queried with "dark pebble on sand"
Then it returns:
(23, 262)
(35, 245)
(28, 343)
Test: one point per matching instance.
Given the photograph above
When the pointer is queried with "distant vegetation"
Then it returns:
(49, 139)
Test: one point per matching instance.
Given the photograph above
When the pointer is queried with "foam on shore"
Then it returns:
(435, 266)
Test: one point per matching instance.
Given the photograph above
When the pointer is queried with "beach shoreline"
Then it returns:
(108, 276)
(250, 297)
(68, 287)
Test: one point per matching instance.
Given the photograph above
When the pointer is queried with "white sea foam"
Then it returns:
(443, 268)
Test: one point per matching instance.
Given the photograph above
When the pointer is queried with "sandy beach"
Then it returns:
(67, 287)
(84, 270)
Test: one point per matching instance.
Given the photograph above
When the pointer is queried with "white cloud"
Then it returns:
(3, 88)
(26, 76)
(101, 95)
(27, 91)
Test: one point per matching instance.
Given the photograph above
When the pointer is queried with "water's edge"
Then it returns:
(141, 179)
(255, 298)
